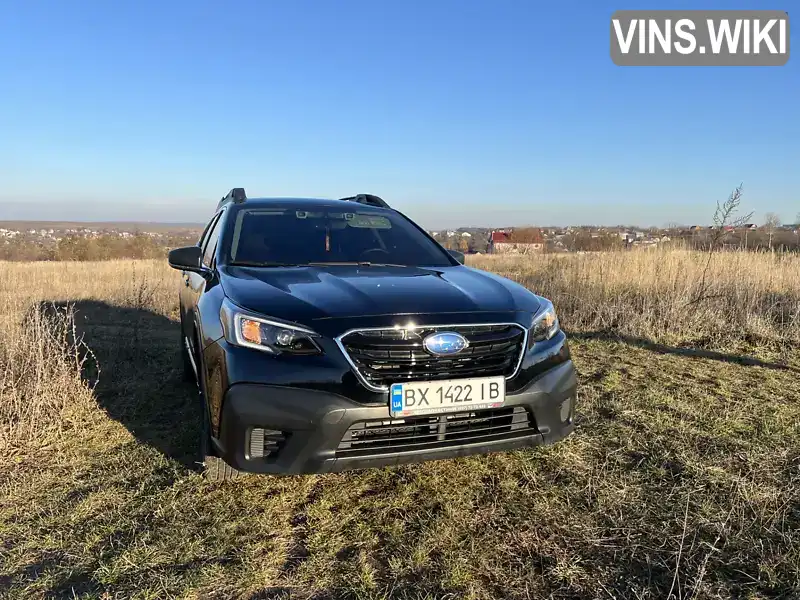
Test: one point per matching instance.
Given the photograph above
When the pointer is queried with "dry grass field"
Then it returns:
(682, 480)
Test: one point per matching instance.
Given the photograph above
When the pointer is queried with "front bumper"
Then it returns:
(314, 424)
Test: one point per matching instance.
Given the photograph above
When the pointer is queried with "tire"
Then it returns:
(214, 468)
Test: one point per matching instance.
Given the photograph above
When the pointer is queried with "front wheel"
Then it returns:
(214, 468)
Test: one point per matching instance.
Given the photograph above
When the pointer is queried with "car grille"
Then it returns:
(386, 356)
(437, 431)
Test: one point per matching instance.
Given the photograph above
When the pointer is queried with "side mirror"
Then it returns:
(459, 256)
(187, 259)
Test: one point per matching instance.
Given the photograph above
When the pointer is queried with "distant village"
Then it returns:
(68, 241)
(53, 241)
(52, 234)
(56, 235)
(524, 240)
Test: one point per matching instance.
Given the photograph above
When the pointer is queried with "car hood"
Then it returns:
(303, 294)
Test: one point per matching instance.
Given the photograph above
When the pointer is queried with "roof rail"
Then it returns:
(368, 199)
(236, 195)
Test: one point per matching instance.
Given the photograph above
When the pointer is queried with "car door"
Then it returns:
(194, 283)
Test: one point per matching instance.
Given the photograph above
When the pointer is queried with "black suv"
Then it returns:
(337, 334)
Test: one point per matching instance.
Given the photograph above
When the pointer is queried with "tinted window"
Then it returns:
(211, 243)
(297, 237)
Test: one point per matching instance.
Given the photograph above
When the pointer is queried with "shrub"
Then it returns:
(41, 384)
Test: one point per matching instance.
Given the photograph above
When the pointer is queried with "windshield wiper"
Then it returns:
(255, 263)
(353, 263)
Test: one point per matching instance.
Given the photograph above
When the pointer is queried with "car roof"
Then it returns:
(307, 203)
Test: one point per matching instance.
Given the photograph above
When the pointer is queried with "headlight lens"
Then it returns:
(274, 337)
(545, 324)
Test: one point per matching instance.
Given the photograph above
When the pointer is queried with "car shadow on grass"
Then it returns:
(133, 361)
(647, 344)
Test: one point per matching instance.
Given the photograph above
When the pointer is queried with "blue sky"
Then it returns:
(459, 113)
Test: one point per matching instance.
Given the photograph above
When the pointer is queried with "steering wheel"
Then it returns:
(380, 251)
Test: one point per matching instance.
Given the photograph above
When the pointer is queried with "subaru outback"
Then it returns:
(328, 335)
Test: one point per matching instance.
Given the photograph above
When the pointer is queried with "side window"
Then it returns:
(211, 243)
(202, 241)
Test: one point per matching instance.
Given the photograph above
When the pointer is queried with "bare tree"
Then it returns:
(724, 217)
(771, 223)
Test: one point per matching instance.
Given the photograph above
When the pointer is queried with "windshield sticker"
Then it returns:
(370, 222)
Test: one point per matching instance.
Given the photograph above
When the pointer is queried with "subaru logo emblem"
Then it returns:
(445, 343)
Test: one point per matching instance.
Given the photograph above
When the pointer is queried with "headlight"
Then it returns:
(251, 331)
(545, 324)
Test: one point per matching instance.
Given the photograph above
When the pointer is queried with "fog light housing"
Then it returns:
(264, 443)
(567, 409)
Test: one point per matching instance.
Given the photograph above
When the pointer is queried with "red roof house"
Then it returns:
(499, 236)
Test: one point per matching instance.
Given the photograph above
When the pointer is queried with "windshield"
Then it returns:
(288, 236)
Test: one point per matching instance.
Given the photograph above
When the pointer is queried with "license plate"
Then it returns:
(455, 395)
